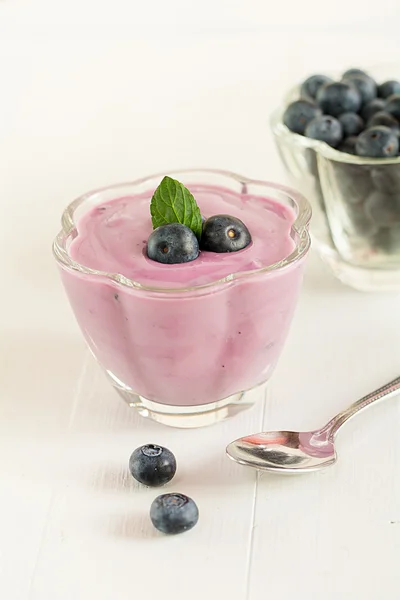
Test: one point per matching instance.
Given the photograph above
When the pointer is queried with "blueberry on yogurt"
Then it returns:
(172, 243)
(224, 233)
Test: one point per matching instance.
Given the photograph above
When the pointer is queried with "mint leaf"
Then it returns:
(173, 203)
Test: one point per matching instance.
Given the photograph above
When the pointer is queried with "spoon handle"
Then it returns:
(386, 391)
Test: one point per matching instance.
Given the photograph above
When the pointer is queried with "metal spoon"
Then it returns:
(301, 452)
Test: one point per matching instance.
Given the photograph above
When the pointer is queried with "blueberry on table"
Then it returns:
(348, 145)
(385, 119)
(172, 244)
(299, 113)
(224, 233)
(388, 88)
(311, 85)
(326, 129)
(337, 98)
(377, 142)
(174, 513)
(392, 106)
(365, 85)
(152, 465)
(352, 124)
(376, 105)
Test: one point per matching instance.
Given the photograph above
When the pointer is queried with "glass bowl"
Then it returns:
(186, 356)
(355, 202)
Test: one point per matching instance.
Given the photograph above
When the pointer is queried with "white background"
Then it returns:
(93, 93)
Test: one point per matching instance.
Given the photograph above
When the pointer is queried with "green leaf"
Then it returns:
(173, 203)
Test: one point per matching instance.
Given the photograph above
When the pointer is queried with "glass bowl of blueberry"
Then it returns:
(339, 140)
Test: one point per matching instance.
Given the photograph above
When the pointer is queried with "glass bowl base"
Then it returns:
(361, 278)
(187, 417)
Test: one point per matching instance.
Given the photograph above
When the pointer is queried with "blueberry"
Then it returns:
(393, 106)
(348, 145)
(358, 222)
(174, 513)
(351, 72)
(386, 179)
(299, 113)
(376, 105)
(326, 129)
(385, 119)
(152, 465)
(383, 209)
(365, 85)
(337, 98)
(223, 233)
(172, 243)
(388, 88)
(377, 142)
(388, 239)
(353, 182)
(352, 124)
(310, 86)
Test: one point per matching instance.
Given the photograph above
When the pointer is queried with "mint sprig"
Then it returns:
(173, 203)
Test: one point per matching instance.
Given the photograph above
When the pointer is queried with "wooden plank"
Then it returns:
(331, 533)
(99, 539)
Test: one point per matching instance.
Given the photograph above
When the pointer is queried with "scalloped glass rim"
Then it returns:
(299, 228)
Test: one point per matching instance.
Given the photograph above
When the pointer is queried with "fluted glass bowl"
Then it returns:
(186, 356)
(355, 201)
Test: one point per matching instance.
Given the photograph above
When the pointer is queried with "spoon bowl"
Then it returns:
(301, 452)
(285, 451)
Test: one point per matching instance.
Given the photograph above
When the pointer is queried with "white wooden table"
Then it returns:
(97, 92)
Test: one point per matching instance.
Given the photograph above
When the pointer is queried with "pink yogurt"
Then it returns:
(171, 344)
